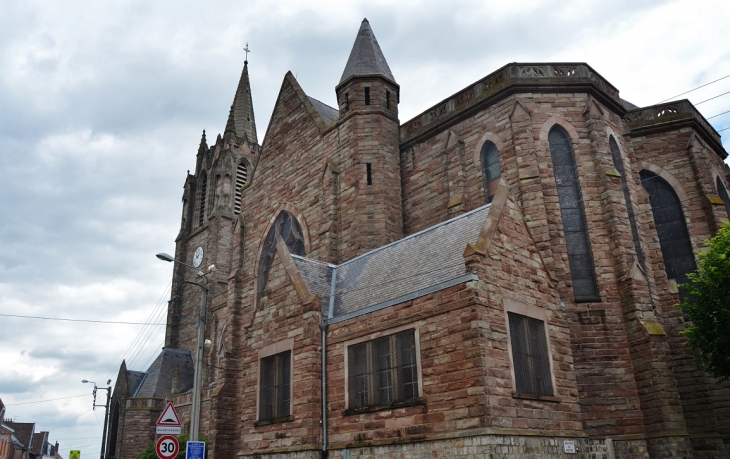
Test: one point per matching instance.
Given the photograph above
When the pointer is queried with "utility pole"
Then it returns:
(106, 412)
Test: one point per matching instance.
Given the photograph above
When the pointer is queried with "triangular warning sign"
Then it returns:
(169, 417)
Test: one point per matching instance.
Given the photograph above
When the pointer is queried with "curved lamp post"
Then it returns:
(198, 376)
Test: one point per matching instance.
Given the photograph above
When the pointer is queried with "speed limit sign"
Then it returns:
(167, 447)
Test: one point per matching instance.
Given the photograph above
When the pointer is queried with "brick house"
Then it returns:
(495, 277)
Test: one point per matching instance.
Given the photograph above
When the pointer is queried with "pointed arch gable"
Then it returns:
(560, 121)
(678, 188)
(487, 136)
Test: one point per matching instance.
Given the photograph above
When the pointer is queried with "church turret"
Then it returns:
(371, 188)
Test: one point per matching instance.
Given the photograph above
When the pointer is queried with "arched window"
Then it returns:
(619, 165)
(722, 192)
(241, 179)
(286, 226)
(203, 189)
(670, 227)
(582, 270)
(490, 169)
(113, 428)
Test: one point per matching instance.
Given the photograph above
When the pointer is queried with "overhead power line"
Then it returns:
(80, 320)
(49, 400)
(707, 100)
(698, 87)
(715, 116)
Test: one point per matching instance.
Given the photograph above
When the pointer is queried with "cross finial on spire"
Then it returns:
(247, 51)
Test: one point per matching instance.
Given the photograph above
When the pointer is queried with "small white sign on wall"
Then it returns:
(569, 446)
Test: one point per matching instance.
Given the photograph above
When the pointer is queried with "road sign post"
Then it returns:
(195, 450)
(167, 447)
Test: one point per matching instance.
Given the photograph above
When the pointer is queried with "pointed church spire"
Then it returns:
(240, 119)
(203, 144)
(366, 58)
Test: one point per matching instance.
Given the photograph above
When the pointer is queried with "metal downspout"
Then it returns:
(323, 326)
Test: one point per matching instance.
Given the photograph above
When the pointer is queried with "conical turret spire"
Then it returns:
(241, 121)
(366, 58)
(203, 147)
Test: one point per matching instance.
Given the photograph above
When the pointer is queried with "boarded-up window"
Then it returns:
(580, 258)
(382, 371)
(286, 226)
(241, 179)
(530, 355)
(490, 169)
(722, 192)
(275, 387)
(203, 190)
(670, 227)
(619, 165)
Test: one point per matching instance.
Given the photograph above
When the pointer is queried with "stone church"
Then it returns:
(496, 277)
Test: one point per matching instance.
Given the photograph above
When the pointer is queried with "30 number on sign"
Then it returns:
(167, 447)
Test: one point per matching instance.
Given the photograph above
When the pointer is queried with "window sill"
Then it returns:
(587, 299)
(388, 406)
(266, 422)
(541, 398)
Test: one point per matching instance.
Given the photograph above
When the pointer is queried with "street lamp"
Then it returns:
(106, 411)
(198, 376)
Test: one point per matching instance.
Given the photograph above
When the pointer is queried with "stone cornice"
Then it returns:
(511, 79)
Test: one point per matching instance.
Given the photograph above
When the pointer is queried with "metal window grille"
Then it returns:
(580, 258)
(287, 226)
(275, 386)
(241, 179)
(490, 169)
(203, 189)
(383, 371)
(530, 355)
(619, 165)
(670, 227)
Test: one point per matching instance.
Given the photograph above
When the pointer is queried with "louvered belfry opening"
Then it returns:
(382, 371)
(722, 192)
(530, 355)
(275, 386)
(490, 169)
(619, 165)
(671, 228)
(241, 179)
(287, 226)
(203, 190)
(575, 227)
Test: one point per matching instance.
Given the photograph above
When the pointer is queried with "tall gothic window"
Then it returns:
(203, 190)
(722, 192)
(670, 227)
(113, 430)
(241, 179)
(619, 165)
(580, 258)
(490, 169)
(286, 226)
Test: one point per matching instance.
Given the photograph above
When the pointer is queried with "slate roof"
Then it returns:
(134, 379)
(328, 114)
(396, 272)
(366, 58)
(39, 440)
(23, 431)
(158, 378)
(628, 105)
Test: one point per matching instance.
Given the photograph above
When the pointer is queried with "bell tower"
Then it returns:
(368, 150)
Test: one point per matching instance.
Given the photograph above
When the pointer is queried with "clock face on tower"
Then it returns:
(198, 257)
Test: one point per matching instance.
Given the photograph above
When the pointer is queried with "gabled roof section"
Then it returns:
(416, 265)
(366, 58)
(329, 115)
(240, 119)
(158, 380)
(134, 381)
(23, 431)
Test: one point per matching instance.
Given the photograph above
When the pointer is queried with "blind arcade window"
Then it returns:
(580, 259)
(530, 355)
(382, 371)
(275, 387)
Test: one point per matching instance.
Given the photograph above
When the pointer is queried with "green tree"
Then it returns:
(707, 306)
(149, 453)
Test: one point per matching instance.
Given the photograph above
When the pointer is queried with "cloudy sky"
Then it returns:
(102, 105)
